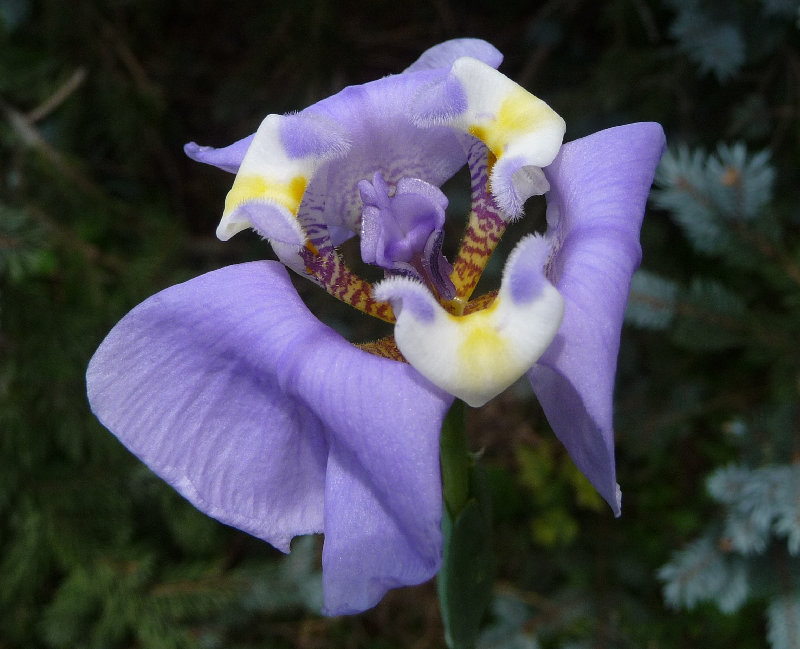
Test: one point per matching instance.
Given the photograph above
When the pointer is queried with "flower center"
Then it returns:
(402, 231)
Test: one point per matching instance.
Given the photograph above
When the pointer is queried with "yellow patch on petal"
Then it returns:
(478, 355)
(481, 343)
(519, 113)
(483, 351)
(253, 187)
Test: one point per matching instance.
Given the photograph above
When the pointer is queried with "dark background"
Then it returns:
(100, 209)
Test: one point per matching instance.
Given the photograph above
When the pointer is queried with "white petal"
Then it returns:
(274, 174)
(521, 131)
(477, 356)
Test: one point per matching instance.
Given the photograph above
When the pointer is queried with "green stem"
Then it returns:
(465, 578)
(455, 459)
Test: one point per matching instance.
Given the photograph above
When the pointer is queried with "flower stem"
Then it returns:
(455, 459)
(465, 579)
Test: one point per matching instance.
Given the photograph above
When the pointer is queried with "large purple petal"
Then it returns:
(383, 493)
(599, 187)
(383, 518)
(188, 382)
(263, 417)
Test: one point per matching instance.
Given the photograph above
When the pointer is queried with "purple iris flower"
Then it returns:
(266, 419)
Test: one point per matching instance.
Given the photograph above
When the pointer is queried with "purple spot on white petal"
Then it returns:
(422, 310)
(271, 221)
(307, 134)
(439, 101)
(504, 189)
(407, 294)
(524, 271)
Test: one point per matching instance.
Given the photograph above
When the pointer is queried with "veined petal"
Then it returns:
(338, 142)
(477, 356)
(443, 55)
(522, 132)
(599, 187)
(377, 119)
(189, 382)
(274, 174)
(383, 492)
(440, 56)
(383, 487)
(263, 417)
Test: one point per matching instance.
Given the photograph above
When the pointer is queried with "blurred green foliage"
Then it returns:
(99, 209)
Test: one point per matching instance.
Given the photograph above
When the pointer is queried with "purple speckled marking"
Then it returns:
(484, 228)
(324, 265)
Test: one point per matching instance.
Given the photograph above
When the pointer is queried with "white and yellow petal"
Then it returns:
(274, 174)
(477, 356)
(520, 130)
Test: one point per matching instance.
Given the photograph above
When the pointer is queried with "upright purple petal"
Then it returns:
(440, 56)
(599, 187)
(263, 417)
(443, 55)
(377, 119)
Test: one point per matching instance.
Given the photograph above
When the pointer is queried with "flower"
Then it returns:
(268, 420)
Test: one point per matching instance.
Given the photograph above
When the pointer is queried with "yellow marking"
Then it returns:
(491, 158)
(252, 187)
(519, 113)
(483, 346)
(312, 248)
(485, 354)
